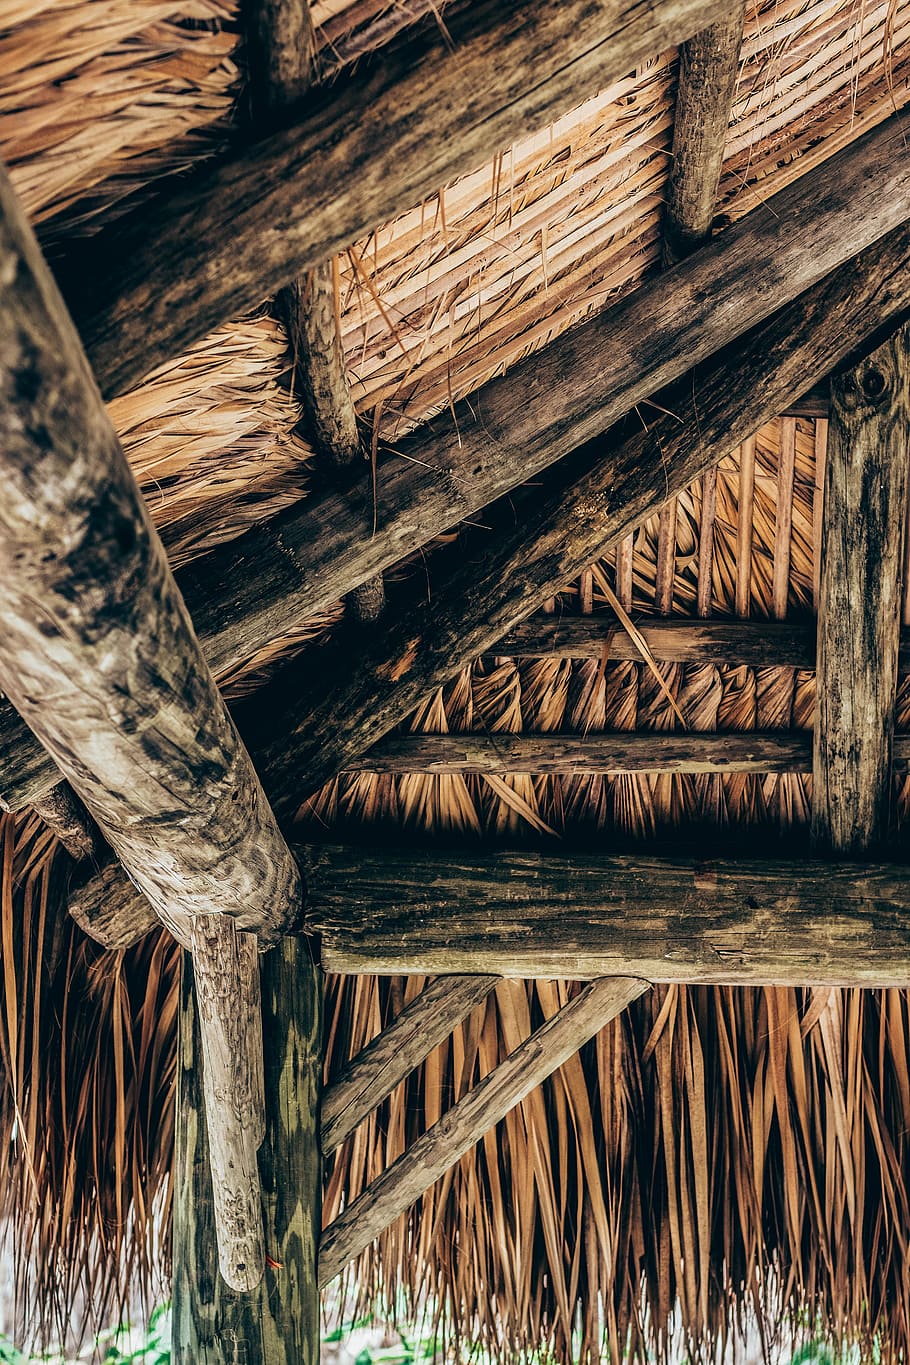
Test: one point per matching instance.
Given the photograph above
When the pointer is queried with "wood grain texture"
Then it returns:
(63, 812)
(550, 534)
(708, 65)
(353, 155)
(99, 653)
(438, 1149)
(278, 1321)
(253, 590)
(227, 998)
(616, 752)
(862, 551)
(749, 644)
(666, 919)
(394, 1053)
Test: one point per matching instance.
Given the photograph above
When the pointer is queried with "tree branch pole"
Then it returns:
(101, 660)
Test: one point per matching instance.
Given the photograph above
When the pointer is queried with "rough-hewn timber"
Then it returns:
(278, 1321)
(227, 995)
(749, 644)
(436, 1150)
(394, 1053)
(99, 654)
(863, 526)
(63, 812)
(708, 64)
(253, 590)
(602, 493)
(389, 134)
(665, 919)
(682, 751)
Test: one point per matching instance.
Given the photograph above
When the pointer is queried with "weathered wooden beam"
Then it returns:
(440, 1147)
(101, 660)
(390, 133)
(252, 591)
(666, 919)
(394, 1053)
(278, 1321)
(708, 64)
(862, 552)
(620, 751)
(680, 640)
(548, 535)
(99, 654)
(63, 812)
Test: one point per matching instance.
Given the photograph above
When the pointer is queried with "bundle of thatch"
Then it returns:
(714, 1151)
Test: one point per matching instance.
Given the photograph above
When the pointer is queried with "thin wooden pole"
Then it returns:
(862, 558)
(438, 1149)
(744, 527)
(278, 1321)
(374, 1073)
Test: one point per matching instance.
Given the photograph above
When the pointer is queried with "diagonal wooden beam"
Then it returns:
(862, 556)
(685, 919)
(708, 64)
(101, 660)
(546, 536)
(253, 590)
(374, 143)
(440, 1147)
(393, 1054)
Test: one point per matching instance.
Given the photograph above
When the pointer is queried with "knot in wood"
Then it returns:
(873, 383)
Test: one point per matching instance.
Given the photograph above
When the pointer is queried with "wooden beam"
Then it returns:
(666, 919)
(278, 1320)
(101, 660)
(862, 552)
(253, 590)
(392, 132)
(708, 65)
(547, 535)
(442, 1145)
(394, 1053)
(681, 640)
(619, 751)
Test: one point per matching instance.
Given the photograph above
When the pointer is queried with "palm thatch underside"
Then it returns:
(715, 1153)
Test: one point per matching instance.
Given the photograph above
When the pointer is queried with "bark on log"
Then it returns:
(860, 594)
(393, 1054)
(63, 812)
(551, 533)
(708, 64)
(227, 994)
(684, 751)
(438, 1149)
(388, 135)
(278, 1322)
(718, 922)
(253, 590)
(99, 654)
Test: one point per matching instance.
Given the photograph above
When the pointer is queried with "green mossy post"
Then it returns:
(279, 1322)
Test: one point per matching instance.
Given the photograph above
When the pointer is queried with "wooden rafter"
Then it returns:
(862, 559)
(324, 547)
(393, 1054)
(438, 1149)
(100, 658)
(369, 146)
(552, 533)
(665, 919)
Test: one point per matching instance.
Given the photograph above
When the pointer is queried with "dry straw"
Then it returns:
(713, 1150)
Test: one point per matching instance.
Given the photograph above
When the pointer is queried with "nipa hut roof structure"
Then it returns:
(716, 1152)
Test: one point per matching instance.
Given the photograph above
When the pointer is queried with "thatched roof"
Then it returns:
(716, 1149)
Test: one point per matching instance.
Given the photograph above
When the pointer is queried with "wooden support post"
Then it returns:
(374, 1073)
(708, 64)
(101, 660)
(553, 533)
(863, 528)
(321, 549)
(278, 1321)
(438, 1149)
(722, 922)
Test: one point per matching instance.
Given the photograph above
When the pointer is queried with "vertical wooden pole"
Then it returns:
(863, 525)
(278, 1322)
